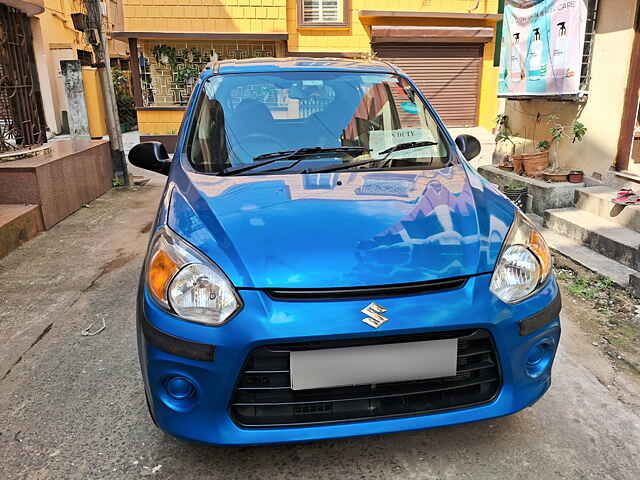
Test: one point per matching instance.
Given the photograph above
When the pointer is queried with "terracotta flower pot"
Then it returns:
(576, 176)
(534, 163)
(517, 164)
(555, 176)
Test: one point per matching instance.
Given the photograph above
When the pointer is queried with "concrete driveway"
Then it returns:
(72, 406)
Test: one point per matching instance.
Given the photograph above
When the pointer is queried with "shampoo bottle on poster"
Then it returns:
(560, 51)
(535, 56)
(504, 70)
(516, 64)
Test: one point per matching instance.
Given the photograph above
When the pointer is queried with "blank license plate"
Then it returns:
(397, 362)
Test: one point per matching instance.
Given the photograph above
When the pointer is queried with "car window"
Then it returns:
(243, 117)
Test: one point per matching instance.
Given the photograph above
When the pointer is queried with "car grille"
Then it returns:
(368, 292)
(263, 397)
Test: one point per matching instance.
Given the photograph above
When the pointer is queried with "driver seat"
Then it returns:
(251, 116)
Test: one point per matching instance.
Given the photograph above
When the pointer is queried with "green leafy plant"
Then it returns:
(589, 288)
(185, 72)
(124, 100)
(559, 131)
(165, 55)
(543, 145)
(579, 131)
(575, 132)
(503, 129)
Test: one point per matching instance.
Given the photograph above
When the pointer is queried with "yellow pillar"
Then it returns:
(95, 102)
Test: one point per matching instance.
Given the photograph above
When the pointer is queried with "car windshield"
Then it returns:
(299, 122)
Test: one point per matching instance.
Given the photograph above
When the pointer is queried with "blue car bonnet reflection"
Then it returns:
(343, 229)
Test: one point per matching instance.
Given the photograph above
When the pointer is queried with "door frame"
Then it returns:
(631, 101)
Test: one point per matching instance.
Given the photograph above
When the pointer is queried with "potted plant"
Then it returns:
(503, 134)
(506, 165)
(517, 192)
(558, 131)
(165, 55)
(534, 163)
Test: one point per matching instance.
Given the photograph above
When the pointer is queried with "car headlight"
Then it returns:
(186, 283)
(524, 262)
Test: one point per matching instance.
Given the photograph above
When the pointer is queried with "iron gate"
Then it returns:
(22, 122)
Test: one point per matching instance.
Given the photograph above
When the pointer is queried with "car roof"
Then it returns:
(297, 64)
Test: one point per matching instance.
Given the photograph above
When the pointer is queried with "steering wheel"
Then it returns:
(257, 143)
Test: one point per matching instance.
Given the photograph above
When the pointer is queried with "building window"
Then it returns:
(85, 57)
(323, 13)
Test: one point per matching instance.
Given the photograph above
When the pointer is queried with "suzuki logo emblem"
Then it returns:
(374, 318)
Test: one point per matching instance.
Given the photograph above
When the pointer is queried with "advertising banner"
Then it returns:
(542, 45)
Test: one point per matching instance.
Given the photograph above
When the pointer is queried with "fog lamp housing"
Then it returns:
(540, 357)
(180, 388)
(179, 393)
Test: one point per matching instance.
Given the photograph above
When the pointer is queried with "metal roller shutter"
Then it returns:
(448, 74)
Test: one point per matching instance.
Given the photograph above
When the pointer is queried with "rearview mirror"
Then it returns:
(469, 146)
(151, 156)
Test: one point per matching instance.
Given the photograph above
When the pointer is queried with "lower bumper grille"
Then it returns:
(263, 397)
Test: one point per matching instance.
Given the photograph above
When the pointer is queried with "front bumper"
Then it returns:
(218, 354)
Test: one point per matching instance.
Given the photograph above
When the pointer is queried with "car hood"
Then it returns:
(344, 229)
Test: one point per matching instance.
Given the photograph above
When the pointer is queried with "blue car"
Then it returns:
(325, 263)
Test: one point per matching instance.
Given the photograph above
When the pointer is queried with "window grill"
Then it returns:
(587, 53)
(170, 69)
(321, 11)
(22, 122)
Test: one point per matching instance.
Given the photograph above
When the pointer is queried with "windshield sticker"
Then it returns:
(409, 107)
(380, 140)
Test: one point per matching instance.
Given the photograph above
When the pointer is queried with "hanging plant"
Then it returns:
(183, 73)
(165, 55)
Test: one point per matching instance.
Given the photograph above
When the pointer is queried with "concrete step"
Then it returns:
(597, 200)
(18, 223)
(603, 236)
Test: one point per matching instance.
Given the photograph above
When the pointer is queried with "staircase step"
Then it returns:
(18, 223)
(602, 235)
(597, 200)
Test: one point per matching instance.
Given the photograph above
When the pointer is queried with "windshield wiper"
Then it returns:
(304, 151)
(387, 153)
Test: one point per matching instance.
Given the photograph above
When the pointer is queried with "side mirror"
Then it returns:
(469, 146)
(151, 156)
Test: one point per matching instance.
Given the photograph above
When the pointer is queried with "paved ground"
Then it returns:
(72, 406)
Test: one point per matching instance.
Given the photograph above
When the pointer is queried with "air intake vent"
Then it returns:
(263, 396)
(367, 292)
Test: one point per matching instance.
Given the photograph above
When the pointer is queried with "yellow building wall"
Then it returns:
(248, 16)
(280, 16)
(58, 40)
(159, 122)
(602, 112)
(58, 27)
(356, 38)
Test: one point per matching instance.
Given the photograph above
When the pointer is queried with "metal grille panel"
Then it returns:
(169, 70)
(21, 115)
(263, 396)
